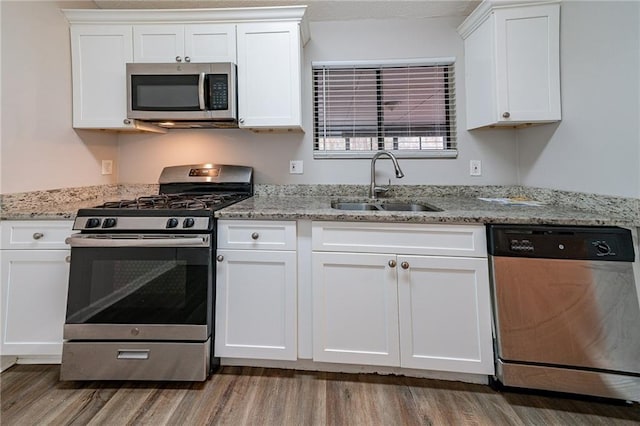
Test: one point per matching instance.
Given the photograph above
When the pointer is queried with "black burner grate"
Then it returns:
(183, 201)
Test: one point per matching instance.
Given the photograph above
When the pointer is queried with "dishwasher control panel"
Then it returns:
(561, 242)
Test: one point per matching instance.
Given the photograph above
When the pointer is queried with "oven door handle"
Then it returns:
(82, 240)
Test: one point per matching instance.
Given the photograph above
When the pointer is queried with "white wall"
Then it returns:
(270, 154)
(596, 147)
(39, 149)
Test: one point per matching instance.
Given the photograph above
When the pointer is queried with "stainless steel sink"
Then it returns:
(409, 207)
(353, 206)
(382, 206)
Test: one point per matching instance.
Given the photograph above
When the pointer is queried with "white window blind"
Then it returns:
(360, 108)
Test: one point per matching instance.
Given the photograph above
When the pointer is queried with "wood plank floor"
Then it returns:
(32, 395)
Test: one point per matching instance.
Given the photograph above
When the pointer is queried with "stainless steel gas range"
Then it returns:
(141, 294)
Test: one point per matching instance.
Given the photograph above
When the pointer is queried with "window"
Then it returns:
(407, 108)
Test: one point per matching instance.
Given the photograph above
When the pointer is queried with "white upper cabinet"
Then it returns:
(269, 68)
(99, 54)
(184, 43)
(267, 52)
(512, 63)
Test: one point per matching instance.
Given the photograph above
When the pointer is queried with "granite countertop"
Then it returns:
(458, 204)
(455, 209)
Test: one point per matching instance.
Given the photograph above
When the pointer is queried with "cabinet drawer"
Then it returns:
(249, 234)
(135, 361)
(26, 234)
(400, 238)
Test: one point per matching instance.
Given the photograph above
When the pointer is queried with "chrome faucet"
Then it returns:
(374, 189)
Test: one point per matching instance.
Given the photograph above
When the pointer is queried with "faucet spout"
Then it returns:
(374, 189)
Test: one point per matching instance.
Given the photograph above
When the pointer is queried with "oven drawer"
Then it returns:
(35, 234)
(251, 234)
(135, 361)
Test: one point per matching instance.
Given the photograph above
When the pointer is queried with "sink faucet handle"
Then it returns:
(382, 189)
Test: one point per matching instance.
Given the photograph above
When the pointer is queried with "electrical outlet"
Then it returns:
(107, 167)
(475, 168)
(295, 167)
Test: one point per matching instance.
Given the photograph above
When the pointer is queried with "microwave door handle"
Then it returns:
(201, 91)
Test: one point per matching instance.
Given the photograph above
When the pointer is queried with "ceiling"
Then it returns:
(319, 10)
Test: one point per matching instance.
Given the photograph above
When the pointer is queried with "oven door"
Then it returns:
(132, 287)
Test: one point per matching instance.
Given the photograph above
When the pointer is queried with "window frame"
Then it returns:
(400, 153)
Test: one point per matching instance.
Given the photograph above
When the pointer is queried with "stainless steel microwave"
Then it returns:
(183, 95)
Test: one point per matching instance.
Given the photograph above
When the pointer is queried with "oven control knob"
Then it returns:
(109, 222)
(603, 248)
(188, 223)
(92, 222)
(172, 223)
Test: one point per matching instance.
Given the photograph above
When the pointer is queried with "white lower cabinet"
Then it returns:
(35, 275)
(444, 314)
(355, 309)
(256, 297)
(412, 308)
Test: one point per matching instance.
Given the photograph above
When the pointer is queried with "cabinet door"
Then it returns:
(210, 42)
(269, 93)
(34, 297)
(256, 304)
(445, 316)
(355, 309)
(99, 54)
(528, 63)
(158, 43)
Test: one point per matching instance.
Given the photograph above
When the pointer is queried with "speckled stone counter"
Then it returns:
(454, 210)
(458, 204)
(64, 203)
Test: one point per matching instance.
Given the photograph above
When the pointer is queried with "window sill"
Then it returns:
(322, 155)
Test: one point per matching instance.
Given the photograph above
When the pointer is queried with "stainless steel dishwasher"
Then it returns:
(566, 309)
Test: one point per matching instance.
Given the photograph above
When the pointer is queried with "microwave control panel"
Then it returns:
(218, 92)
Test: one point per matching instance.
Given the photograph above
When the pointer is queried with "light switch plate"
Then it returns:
(296, 167)
(107, 167)
(475, 168)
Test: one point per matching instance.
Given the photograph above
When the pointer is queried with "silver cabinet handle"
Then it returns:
(187, 59)
(178, 59)
(255, 236)
(220, 258)
(405, 265)
(67, 259)
(241, 120)
(506, 115)
(37, 235)
(126, 121)
(392, 263)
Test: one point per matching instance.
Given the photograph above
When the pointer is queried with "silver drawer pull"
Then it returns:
(392, 263)
(37, 235)
(405, 265)
(67, 259)
(255, 235)
(133, 353)
(220, 258)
